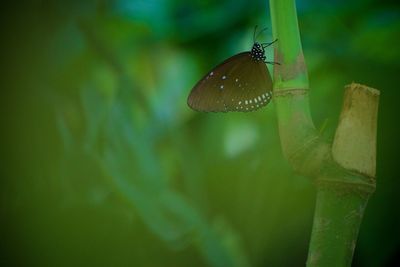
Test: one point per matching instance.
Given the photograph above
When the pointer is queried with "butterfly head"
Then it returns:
(258, 52)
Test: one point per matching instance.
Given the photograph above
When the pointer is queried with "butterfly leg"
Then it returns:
(272, 62)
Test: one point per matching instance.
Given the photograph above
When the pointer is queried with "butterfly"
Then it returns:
(241, 83)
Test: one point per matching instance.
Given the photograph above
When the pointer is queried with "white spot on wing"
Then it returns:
(223, 77)
(222, 87)
(246, 102)
(236, 80)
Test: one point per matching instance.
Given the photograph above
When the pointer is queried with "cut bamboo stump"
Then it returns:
(343, 190)
(354, 146)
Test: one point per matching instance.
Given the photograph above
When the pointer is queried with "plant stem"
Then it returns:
(341, 198)
(292, 72)
(296, 128)
(336, 222)
(344, 172)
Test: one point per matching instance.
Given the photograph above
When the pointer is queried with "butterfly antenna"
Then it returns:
(265, 45)
(254, 33)
(260, 32)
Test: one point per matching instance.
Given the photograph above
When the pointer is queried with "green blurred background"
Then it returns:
(103, 163)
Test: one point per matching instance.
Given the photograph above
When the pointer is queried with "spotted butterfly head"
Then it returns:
(258, 52)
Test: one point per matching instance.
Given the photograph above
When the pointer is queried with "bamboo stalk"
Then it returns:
(344, 172)
(300, 141)
(341, 200)
(292, 71)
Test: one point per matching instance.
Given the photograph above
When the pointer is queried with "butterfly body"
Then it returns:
(241, 83)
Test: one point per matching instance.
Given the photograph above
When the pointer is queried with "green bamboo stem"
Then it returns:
(336, 222)
(300, 141)
(343, 196)
(292, 72)
(343, 171)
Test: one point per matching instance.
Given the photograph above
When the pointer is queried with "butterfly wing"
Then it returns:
(238, 84)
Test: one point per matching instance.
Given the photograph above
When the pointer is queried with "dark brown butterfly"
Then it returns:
(240, 83)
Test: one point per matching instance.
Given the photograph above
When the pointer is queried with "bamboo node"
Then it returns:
(290, 91)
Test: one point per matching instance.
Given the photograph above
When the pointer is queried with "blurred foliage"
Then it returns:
(104, 164)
